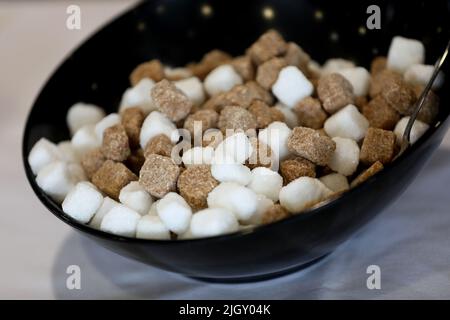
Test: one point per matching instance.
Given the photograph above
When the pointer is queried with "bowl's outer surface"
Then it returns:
(177, 32)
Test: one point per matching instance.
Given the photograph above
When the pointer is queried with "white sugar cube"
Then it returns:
(303, 193)
(152, 227)
(120, 220)
(155, 124)
(43, 153)
(266, 182)
(106, 206)
(82, 114)
(198, 155)
(174, 212)
(359, 78)
(240, 200)
(55, 180)
(420, 74)
(213, 222)
(234, 149)
(264, 204)
(85, 140)
(193, 89)
(139, 96)
(221, 79)
(345, 158)
(110, 120)
(134, 196)
(290, 118)
(231, 172)
(347, 123)
(67, 151)
(403, 53)
(336, 182)
(82, 202)
(417, 130)
(291, 86)
(334, 65)
(178, 72)
(276, 135)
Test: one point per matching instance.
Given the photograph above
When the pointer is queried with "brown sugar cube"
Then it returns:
(215, 58)
(212, 138)
(132, 119)
(372, 170)
(216, 102)
(244, 66)
(92, 161)
(115, 144)
(234, 117)
(202, 119)
(297, 167)
(159, 144)
(275, 213)
(210, 61)
(262, 155)
(264, 114)
(430, 107)
(111, 177)
(243, 95)
(195, 183)
(399, 95)
(267, 72)
(380, 114)
(311, 145)
(135, 161)
(360, 102)
(295, 56)
(377, 81)
(152, 69)
(159, 175)
(335, 92)
(378, 64)
(269, 45)
(240, 95)
(378, 145)
(170, 100)
(310, 113)
(259, 92)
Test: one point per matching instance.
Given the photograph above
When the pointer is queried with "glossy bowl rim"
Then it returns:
(56, 209)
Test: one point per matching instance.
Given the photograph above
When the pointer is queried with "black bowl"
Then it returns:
(181, 31)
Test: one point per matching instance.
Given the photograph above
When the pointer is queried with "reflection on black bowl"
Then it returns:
(181, 31)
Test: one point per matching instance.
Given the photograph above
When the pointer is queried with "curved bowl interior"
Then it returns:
(178, 32)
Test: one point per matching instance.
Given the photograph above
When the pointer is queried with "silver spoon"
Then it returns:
(406, 135)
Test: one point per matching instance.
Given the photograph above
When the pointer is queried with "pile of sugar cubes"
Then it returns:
(233, 142)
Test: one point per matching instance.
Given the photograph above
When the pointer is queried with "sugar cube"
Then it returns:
(82, 202)
(291, 86)
(347, 123)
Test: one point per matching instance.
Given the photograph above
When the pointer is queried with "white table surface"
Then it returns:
(410, 241)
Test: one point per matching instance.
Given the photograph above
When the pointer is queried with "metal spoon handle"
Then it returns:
(437, 66)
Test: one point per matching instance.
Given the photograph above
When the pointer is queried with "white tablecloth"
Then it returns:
(410, 241)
